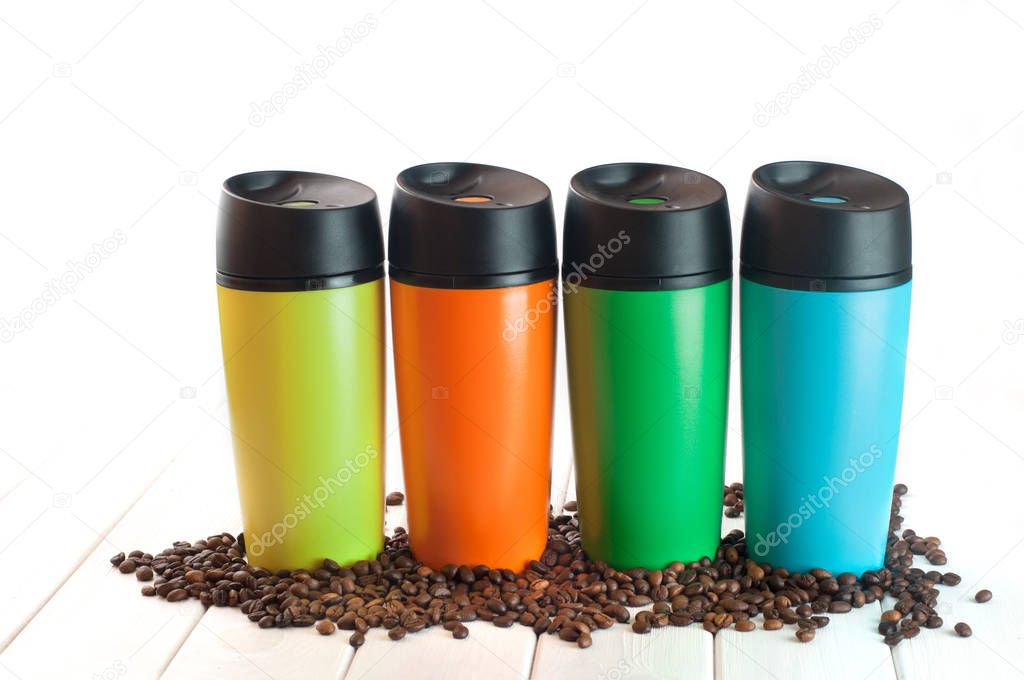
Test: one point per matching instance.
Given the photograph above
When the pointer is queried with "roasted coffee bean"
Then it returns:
(148, 591)
(177, 595)
(951, 579)
(891, 615)
(983, 596)
(357, 639)
(570, 506)
(460, 632)
(900, 489)
(504, 620)
(641, 626)
(584, 641)
(396, 633)
(963, 630)
(144, 573)
(805, 634)
(325, 627)
(745, 626)
(394, 498)
(117, 559)
(127, 565)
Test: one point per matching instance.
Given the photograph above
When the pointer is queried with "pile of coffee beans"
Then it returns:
(563, 593)
(732, 499)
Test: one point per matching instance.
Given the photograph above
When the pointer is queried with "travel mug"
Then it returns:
(646, 286)
(473, 260)
(301, 295)
(825, 311)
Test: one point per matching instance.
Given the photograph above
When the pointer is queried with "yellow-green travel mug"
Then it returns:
(300, 289)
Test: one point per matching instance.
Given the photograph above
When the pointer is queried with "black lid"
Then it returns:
(283, 230)
(642, 226)
(465, 225)
(825, 227)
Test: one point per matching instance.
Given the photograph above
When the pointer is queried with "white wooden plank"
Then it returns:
(489, 652)
(104, 627)
(226, 645)
(36, 517)
(849, 648)
(11, 475)
(677, 653)
(996, 648)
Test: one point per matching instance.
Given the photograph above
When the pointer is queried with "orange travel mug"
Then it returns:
(473, 266)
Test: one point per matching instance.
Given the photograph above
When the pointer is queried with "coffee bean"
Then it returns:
(357, 639)
(570, 506)
(983, 596)
(584, 641)
(641, 626)
(177, 595)
(891, 615)
(772, 624)
(963, 630)
(396, 633)
(144, 573)
(148, 591)
(900, 489)
(894, 639)
(117, 559)
(394, 498)
(127, 565)
(460, 632)
(325, 627)
(745, 626)
(805, 634)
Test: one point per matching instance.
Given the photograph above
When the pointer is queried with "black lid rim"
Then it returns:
(646, 283)
(833, 284)
(282, 285)
(791, 240)
(335, 242)
(672, 244)
(471, 282)
(436, 240)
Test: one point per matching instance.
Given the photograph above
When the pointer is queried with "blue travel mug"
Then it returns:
(825, 265)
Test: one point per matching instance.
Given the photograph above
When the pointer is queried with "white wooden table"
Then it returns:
(122, 119)
(71, 615)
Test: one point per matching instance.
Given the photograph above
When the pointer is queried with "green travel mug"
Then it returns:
(646, 285)
(301, 295)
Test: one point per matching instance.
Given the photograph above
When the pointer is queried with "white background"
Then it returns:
(120, 120)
